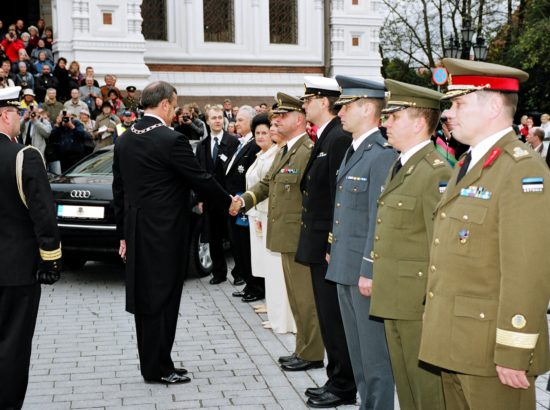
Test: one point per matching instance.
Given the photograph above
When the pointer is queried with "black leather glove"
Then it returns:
(49, 272)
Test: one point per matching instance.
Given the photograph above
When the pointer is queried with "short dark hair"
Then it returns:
(333, 109)
(539, 133)
(431, 116)
(154, 93)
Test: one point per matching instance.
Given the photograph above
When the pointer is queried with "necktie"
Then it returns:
(285, 150)
(215, 150)
(349, 154)
(28, 139)
(464, 167)
(398, 165)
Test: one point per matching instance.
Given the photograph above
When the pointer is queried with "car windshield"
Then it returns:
(99, 163)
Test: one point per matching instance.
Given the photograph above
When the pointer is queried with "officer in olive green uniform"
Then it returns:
(485, 318)
(403, 236)
(282, 186)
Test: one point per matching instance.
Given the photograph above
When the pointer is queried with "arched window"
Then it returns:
(153, 13)
(283, 21)
(219, 21)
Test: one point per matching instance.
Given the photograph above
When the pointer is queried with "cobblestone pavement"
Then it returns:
(85, 356)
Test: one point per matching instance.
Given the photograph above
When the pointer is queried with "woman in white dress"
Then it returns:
(265, 263)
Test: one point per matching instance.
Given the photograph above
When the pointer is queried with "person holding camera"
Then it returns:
(89, 92)
(31, 251)
(28, 99)
(70, 136)
(188, 124)
(11, 45)
(35, 128)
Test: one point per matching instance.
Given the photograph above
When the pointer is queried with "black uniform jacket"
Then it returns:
(318, 187)
(154, 172)
(235, 176)
(26, 234)
(227, 147)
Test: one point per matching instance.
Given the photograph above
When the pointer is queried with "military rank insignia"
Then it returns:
(240, 168)
(322, 154)
(475, 192)
(442, 187)
(532, 184)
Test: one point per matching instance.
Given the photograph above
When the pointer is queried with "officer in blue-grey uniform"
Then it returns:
(359, 183)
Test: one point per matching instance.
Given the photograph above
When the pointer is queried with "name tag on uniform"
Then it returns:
(476, 192)
(532, 184)
(356, 178)
(289, 171)
(223, 157)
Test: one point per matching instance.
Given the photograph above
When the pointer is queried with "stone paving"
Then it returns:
(85, 356)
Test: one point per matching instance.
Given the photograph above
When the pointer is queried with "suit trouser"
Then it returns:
(309, 343)
(467, 392)
(367, 349)
(339, 371)
(18, 311)
(240, 247)
(155, 335)
(216, 226)
(418, 384)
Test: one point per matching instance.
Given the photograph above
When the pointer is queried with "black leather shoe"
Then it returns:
(174, 378)
(252, 298)
(299, 365)
(181, 371)
(284, 359)
(328, 400)
(238, 281)
(238, 294)
(216, 281)
(315, 391)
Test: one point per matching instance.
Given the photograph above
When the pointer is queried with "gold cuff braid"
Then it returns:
(517, 339)
(50, 255)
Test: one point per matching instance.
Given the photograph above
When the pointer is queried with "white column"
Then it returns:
(354, 32)
(104, 34)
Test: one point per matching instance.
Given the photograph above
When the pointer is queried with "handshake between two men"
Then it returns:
(236, 204)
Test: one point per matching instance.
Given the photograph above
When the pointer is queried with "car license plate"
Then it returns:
(84, 212)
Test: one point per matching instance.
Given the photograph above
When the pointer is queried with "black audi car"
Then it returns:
(86, 218)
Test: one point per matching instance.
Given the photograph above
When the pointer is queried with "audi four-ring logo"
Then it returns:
(77, 193)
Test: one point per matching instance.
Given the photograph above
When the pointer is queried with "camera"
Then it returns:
(65, 118)
(12, 35)
(186, 118)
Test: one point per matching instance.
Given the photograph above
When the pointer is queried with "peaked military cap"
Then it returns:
(287, 103)
(131, 88)
(467, 76)
(321, 86)
(403, 95)
(9, 97)
(356, 88)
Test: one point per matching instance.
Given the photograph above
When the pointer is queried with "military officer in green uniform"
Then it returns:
(130, 101)
(402, 239)
(485, 320)
(282, 186)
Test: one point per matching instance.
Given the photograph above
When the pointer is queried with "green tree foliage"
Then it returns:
(525, 43)
(397, 69)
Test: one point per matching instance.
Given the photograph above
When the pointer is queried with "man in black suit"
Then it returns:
(213, 152)
(30, 251)
(154, 171)
(319, 188)
(228, 110)
(235, 183)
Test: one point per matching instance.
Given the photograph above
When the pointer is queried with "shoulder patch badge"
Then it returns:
(532, 184)
(520, 152)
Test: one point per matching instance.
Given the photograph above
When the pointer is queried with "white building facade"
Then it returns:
(219, 47)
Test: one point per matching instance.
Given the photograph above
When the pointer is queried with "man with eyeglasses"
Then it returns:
(31, 252)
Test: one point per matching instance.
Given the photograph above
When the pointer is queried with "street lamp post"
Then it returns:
(462, 49)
